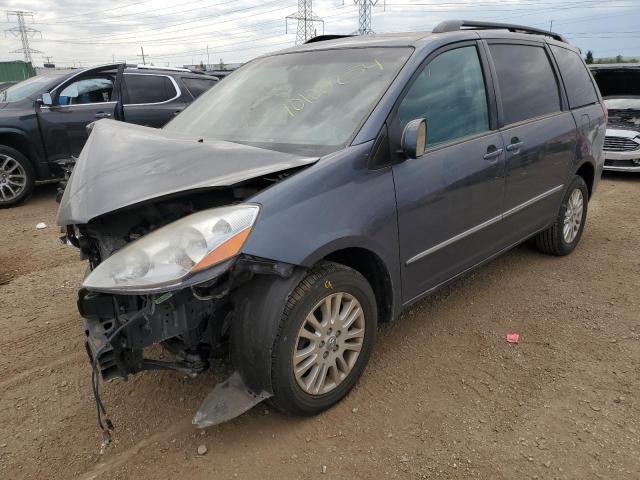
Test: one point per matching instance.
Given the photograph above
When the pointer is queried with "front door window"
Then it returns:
(87, 90)
(450, 93)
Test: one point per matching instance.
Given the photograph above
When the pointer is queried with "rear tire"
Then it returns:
(566, 231)
(338, 349)
(16, 177)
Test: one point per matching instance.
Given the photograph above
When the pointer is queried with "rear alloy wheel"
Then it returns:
(573, 216)
(325, 339)
(564, 234)
(16, 177)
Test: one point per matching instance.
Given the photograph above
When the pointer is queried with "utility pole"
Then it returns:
(551, 26)
(48, 58)
(306, 21)
(24, 33)
(208, 62)
(144, 62)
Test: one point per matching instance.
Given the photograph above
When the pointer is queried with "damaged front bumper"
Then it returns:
(193, 324)
(119, 328)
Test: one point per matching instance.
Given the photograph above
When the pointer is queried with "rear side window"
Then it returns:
(577, 81)
(148, 88)
(451, 95)
(527, 83)
(197, 86)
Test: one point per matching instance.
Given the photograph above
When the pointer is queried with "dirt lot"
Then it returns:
(444, 396)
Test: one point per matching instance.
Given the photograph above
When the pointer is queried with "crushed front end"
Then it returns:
(163, 234)
(119, 328)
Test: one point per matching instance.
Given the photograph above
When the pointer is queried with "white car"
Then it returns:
(620, 88)
(622, 150)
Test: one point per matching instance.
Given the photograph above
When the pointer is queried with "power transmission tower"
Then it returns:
(24, 33)
(306, 21)
(364, 16)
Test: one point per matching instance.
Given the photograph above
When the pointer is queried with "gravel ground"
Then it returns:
(445, 396)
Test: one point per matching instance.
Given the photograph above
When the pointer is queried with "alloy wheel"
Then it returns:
(329, 343)
(573, 216)
(13, 178)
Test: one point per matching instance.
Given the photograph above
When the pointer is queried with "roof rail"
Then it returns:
(152, 67)
(322, 38)
(455, 25)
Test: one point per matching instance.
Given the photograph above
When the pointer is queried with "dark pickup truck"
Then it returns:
(43, 119)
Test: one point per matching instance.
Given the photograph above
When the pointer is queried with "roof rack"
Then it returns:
(322, 38)
(455, 25)
(152, 67)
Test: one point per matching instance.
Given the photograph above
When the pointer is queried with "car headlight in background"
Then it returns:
(173, 253)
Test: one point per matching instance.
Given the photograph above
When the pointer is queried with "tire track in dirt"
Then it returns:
(115, 462)
(39, 336)
(18, 379)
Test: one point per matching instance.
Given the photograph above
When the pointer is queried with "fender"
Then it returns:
(30, 147)
(258, 308)
(591, 132)
(314, 213)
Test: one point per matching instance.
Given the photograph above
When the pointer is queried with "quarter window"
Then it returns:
(527, 83)
(197, 86)
(580, 89)
(148, 88)
(450, 94)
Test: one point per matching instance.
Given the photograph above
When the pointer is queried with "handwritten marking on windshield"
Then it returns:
(300, 100)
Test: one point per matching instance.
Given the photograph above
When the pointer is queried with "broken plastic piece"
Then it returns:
(106, 440)
(226, 401)
(513, 337)
(41, 226)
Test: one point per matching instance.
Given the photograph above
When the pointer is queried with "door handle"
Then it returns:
(514, 147)
(103, 115)
(491, 154)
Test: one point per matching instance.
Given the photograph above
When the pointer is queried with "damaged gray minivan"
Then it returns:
(317, 192)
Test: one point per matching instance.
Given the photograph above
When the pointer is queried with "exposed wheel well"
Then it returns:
(373, 269)
(587, 172)
(18, 143)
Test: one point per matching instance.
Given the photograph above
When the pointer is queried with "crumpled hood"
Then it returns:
(123, 164)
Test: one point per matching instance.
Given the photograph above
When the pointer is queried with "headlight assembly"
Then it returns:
(171, 255)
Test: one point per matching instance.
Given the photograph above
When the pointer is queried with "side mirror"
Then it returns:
(414, 138)
(46, 99)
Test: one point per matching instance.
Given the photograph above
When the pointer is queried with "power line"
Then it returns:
(142, 21)
(222, 14)
(24, 33)
(106, 10)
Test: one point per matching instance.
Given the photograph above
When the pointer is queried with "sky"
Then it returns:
(81, 33)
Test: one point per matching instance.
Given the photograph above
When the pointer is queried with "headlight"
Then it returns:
(174, 253)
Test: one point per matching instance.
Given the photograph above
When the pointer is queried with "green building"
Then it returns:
(15, 71)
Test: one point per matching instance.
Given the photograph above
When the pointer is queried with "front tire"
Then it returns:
(16, 177)
(325, 339)
(566, 231)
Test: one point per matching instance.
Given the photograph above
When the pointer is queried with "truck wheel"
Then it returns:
(565, 233)
(324, 341)
(16, 177)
